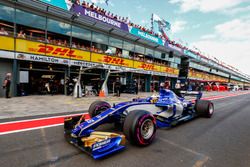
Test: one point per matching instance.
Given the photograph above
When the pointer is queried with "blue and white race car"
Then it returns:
(138, 120)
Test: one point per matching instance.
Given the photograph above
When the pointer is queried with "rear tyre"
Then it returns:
(204, 108)
(98, 107)
(140, 127)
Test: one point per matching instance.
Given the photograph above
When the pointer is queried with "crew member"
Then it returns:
(6, 85)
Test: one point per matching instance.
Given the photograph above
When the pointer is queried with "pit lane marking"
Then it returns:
(29, 129)
(202, 160)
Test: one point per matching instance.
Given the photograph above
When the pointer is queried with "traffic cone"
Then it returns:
(102, 94)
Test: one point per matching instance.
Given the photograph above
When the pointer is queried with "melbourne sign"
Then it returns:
(94, 15)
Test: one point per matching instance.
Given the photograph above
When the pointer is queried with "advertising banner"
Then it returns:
(64, 4)
(145, 35)
(7, 43)
(39, 58)
(100, 58)
(157, 68)
(79, 9)
(146, 66)
(99, 17)
(51, 50)
(7, 54)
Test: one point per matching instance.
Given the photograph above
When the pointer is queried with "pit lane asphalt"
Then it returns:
(222, 141)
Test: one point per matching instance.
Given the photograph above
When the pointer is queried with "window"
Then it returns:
(81, 38)
(58, 33)
(59, 27)
(30, 20)
(139, 49)
(128, 46)
(81, 33)
(115, 42)
(111, 50)
(30, 26)
(100, 38)
(6, 20)
(7, 13)
(174, 65)
(149, 52)
(125, 54)
(157, 54)
(99, 48)
(177, 60)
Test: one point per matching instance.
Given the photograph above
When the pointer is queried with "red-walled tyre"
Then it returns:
(140, 127)
(98, 107)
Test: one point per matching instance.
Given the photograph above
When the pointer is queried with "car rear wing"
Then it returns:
(198, 94)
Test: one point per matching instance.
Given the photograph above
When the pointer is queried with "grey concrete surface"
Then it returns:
(222, 141)
(58, 104)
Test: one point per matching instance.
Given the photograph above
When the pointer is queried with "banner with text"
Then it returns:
(51, 50)
(145, 35)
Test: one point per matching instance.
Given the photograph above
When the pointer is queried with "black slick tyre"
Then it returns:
(140, 127)
(204, 108)
(97, 107)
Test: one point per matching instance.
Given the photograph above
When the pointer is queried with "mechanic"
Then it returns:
(6, 85)
(177, 88)
(117, 87)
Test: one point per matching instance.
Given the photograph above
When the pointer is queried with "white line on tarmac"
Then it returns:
(29, 129)
(38, 119)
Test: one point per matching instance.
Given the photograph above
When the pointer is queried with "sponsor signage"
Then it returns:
(144, 66)
(38, 58)
(145, 35)
(51, 50)
(94, 15)
(39, 52)
(7, 55)
(64, 4)
(7, 43)
(100, 58)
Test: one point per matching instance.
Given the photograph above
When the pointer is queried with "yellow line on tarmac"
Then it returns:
(200, 163)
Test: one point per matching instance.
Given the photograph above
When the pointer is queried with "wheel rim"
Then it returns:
(211, 109)
(147, 129)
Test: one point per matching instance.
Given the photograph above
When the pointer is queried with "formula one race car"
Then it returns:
(138, 120)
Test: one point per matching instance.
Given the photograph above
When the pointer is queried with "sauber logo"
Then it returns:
(147, 66)
(113, 60)
(55, 51)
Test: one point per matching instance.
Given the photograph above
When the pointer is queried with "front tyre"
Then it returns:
(204, 108)
(140, 127)
(98, 107)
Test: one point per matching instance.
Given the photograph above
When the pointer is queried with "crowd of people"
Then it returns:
(126, 20)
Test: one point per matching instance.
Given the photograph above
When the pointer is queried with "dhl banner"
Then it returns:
(205, 76)
(144, 66)
(170, 70)
(100, 58)
(157, 68)
(37, 51)
(51, 50)
(7, 43)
